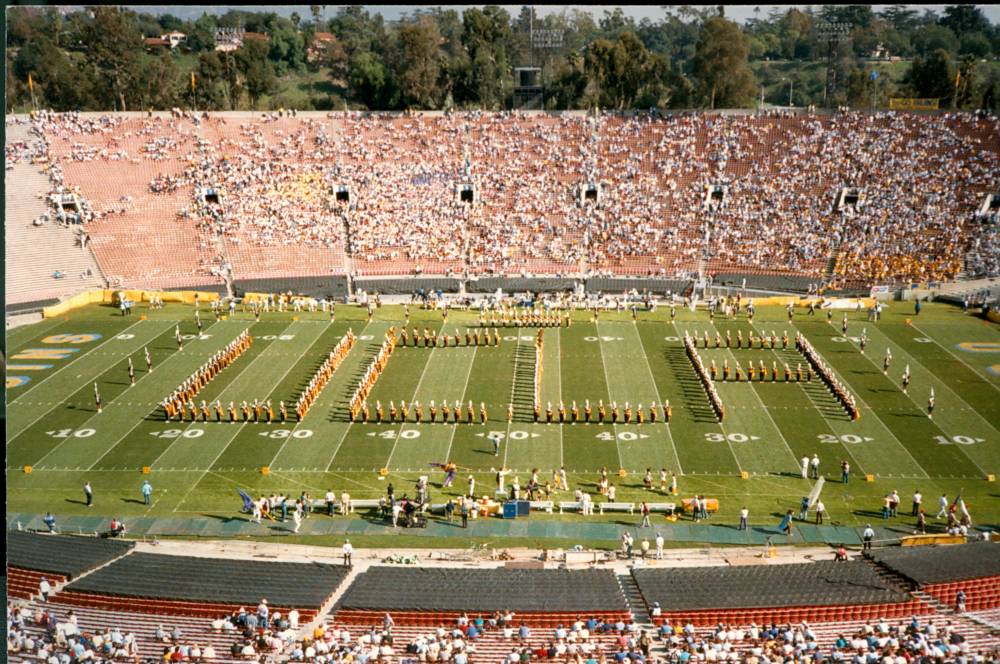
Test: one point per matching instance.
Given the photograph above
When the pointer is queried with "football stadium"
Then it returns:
(468, 379)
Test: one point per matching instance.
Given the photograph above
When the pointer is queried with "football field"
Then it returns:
(55, 432)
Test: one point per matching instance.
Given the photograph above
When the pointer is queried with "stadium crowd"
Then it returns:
(759, 192)
(916, 640)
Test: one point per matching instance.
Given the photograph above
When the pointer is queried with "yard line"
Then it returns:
(451, 439)
(559, 388)
(795, 460)
(656, 389)
(857, 395)
(133, 428)
(73, 361)
(94, 416)
(948, 350)
(607, 385)
(919, 407)
(420, 382)
(60, 403)
(722, 425)
(242, 424)
(513, 389)
(297, 422)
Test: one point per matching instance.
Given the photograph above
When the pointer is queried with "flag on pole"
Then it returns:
(958, 77)
(192, 81)
(31, 85)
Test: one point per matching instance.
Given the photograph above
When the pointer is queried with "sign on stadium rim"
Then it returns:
(913, 104)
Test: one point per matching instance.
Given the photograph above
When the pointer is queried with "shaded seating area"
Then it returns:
(63, 555)
(942, 571)
(204, 587)
(817, 592)
(433, 596)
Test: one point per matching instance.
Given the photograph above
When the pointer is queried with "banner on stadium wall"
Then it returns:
(107, 296)
(879, 290)
(847, 303)
(913, 104)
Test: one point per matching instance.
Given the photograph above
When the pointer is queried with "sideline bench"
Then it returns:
(617, 507)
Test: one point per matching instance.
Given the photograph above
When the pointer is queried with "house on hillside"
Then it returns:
(170, 40)
(321, 42)
(230, 39)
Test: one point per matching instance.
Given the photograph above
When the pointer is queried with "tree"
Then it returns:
(484, 35)
(201, 34)
(963, 19)
(902, 19)
(419, 64)
(157, 82)
(720, 65)
(795, 34)
(932, 37)
(975, 44)
(367, 79)
(113, 50)
(287, 50)
(933, 77)
(258, 72)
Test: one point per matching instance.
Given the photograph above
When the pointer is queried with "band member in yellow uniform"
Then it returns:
(379, 413)
(483, 417)
(432, 408)
(548, 413)
(652, 412)
(510, 413)
(614, 412)
(725, 370)
(270, 412)
(601, 411)
(283, 411)
(365, 412)
(456, 412)
(640, 414)
(404, 411)
(798, 372)
(562, 413)
(788, 373)
(470, 413)
(628, 413)
(418, 412)
(220, 413)
(739, 372)
(246, 411)
(258, 411)
(587, 410)
(575, 412)
(751, 372)
(232, 412)
(445, 411)
(204, 411)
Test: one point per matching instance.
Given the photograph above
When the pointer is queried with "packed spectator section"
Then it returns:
(854, 197)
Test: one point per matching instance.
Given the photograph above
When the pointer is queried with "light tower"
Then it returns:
(833, 33)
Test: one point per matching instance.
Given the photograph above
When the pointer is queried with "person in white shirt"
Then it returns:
(805, 467)
(348, 551)
(814, 465)
(659, 546)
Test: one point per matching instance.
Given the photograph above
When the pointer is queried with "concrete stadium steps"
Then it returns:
(143, 626)
(34, 253)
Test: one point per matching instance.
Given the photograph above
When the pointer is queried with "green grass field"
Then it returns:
(196, 467)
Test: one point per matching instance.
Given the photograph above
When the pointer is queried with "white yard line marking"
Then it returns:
(317, 404)
(59, 403)
(656, 390)
(607, 385)
(559, 388)
(919, 407)
(72, 362)
(795, 460)
(874, 414)
(513, 389)
(949, 351)
(451, 438)
(423, 374)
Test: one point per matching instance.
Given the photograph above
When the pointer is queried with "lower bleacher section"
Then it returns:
(94, 622)
(63, 555)
(942, 571)
(23, 583)
(182, 585)
(817, 592)
(439, 595)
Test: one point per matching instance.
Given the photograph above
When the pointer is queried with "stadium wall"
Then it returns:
(326, 286)
(107, 296)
